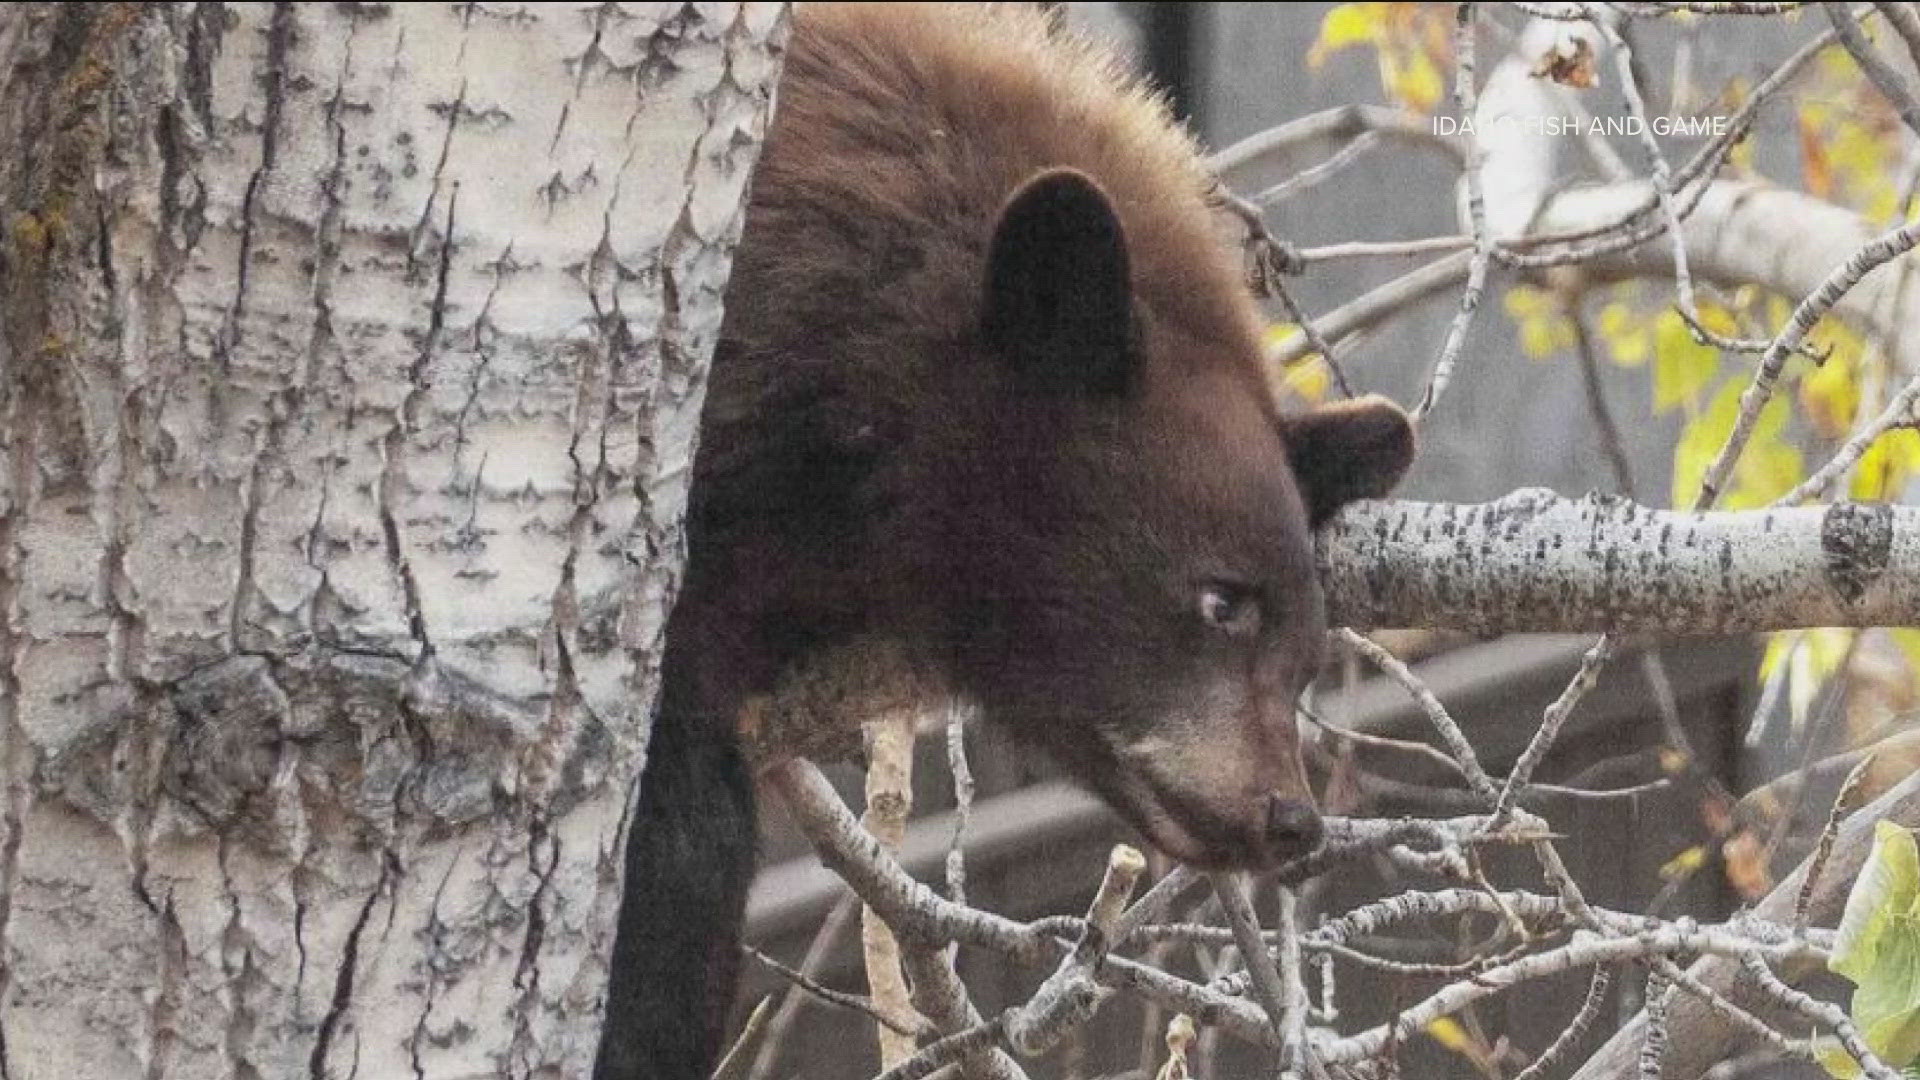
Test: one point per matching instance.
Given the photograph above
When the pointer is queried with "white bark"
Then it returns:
(1534, 561)
(352, 359)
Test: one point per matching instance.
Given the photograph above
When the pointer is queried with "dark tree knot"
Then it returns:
(1857, 539)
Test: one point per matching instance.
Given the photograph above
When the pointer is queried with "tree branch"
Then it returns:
(1701, 1038)
(1534, 561)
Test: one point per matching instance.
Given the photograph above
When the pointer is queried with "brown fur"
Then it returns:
(989, 411)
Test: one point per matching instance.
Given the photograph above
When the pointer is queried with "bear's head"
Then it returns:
(1127, 570)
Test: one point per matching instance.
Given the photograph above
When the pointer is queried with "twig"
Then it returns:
(1294, 1049)
(1154, 901)
(956, 865)
(824, 940)
(1905, 22)
(1343, 122)
(1319, 343)
(1381, 742)
(1418, 970)
(1437, 714)
(1822, 1013)
(1313, 175)
(1726, 1009)
(1071, 994)
(1623, 233)
(1663, 190)
(1610, 441)
(1329, 1012)
(947, 1051)
(1842, 806)
(1889, 82)
(1882, 249)
(1553, 720)
(1373, 306)
(860, 1003)
(1653, 1046)
(1900, 412)
(1576, 1028)
(755, 1026)
(1468, 97)
(889, 789)
(1373, 249)
(1231, 890)
(1811, 739)
(940, 996)
(1585, 950)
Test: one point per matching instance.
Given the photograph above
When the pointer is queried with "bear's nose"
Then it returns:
(1293, 824)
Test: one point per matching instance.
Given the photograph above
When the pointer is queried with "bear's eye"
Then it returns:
(1230, 608)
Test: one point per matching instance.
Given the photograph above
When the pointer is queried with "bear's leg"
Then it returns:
(690, 854)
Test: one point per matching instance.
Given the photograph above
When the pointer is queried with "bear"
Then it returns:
(988, 400)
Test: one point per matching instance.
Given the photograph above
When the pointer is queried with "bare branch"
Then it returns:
(1534, 561)
(1889, 82)
(1576, 1029)
(1878, 252)
(1468, 96)
(1341, 124)
(1905, 22)
(1699, 1037)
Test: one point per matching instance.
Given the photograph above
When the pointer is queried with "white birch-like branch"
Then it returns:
(1535, 561)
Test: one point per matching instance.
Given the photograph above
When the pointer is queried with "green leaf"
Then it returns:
(1878, 946)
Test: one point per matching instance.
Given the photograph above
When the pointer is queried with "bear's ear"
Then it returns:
(1351, 450)
(1058, 302)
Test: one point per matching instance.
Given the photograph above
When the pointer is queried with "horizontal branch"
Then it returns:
(1534, 561)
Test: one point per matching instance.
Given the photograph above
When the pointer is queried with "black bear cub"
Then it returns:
(989, 401)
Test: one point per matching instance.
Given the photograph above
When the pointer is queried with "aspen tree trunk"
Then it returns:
(350, 362)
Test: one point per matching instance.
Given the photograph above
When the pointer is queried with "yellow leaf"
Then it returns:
(1883, 471)
(1673, 761)
(1413, 79)
(1682, 367)
(1625, 334)
(1768, 468)
(1819, 655)
(1447, 1031)
(1779, 646)
(1838, 340)
(1310, 378)
(1685, 864)
(1907, 638)
(1830, 395)
(1536, 314)
(1779, 310)
(1835, 63)
(1834, 1058)
(1348, 25)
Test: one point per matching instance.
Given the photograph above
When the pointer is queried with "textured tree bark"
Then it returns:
(350, 362)
(1534, 561)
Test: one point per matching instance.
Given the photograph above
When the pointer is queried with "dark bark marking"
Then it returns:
(343, 980)
(1857, 540)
